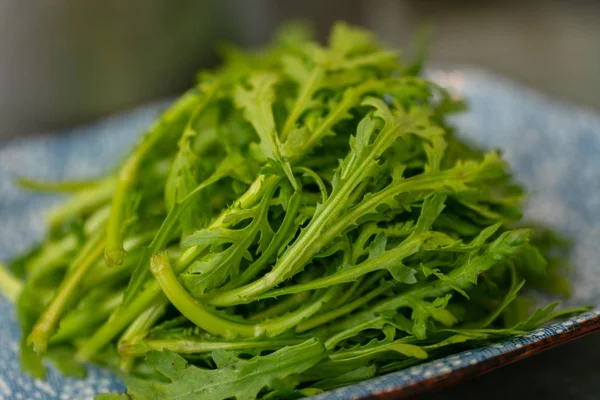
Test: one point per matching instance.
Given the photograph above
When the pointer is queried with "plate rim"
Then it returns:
(525, 346)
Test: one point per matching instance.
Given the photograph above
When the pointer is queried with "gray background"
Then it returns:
(67, 62)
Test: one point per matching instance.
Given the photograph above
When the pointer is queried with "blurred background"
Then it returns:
(68, 62)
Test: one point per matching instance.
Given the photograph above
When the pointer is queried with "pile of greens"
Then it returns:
(301, 219)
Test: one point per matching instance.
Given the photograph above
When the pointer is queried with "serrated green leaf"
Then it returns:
(234, 377)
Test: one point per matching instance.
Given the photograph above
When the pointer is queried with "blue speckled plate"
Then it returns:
(554, 149)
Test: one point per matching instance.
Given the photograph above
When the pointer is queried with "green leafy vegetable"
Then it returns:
(10, 286)
(232, 377)
(302, 219)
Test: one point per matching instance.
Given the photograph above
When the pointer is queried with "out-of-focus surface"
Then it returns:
(551, 45)
(68, 62)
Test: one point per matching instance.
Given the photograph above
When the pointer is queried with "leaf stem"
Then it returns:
(343, 310)
(137, 330)
(74, 324)
(119, 320)
(200, 315)
(307, 91)
(82, 202)
(46, 324)
(200, 346)
(127, 177)
(281, 307)
(55, 187)
(10, 286)
(162, 236)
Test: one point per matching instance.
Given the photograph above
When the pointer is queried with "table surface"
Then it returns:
(570, 371)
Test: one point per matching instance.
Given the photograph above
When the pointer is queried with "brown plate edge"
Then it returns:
(465, 373)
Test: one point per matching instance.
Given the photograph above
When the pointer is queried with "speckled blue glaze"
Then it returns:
(554, 149)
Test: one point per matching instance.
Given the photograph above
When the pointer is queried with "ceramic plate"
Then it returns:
(554, 149)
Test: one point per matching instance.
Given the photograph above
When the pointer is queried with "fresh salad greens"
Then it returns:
(302, 219)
